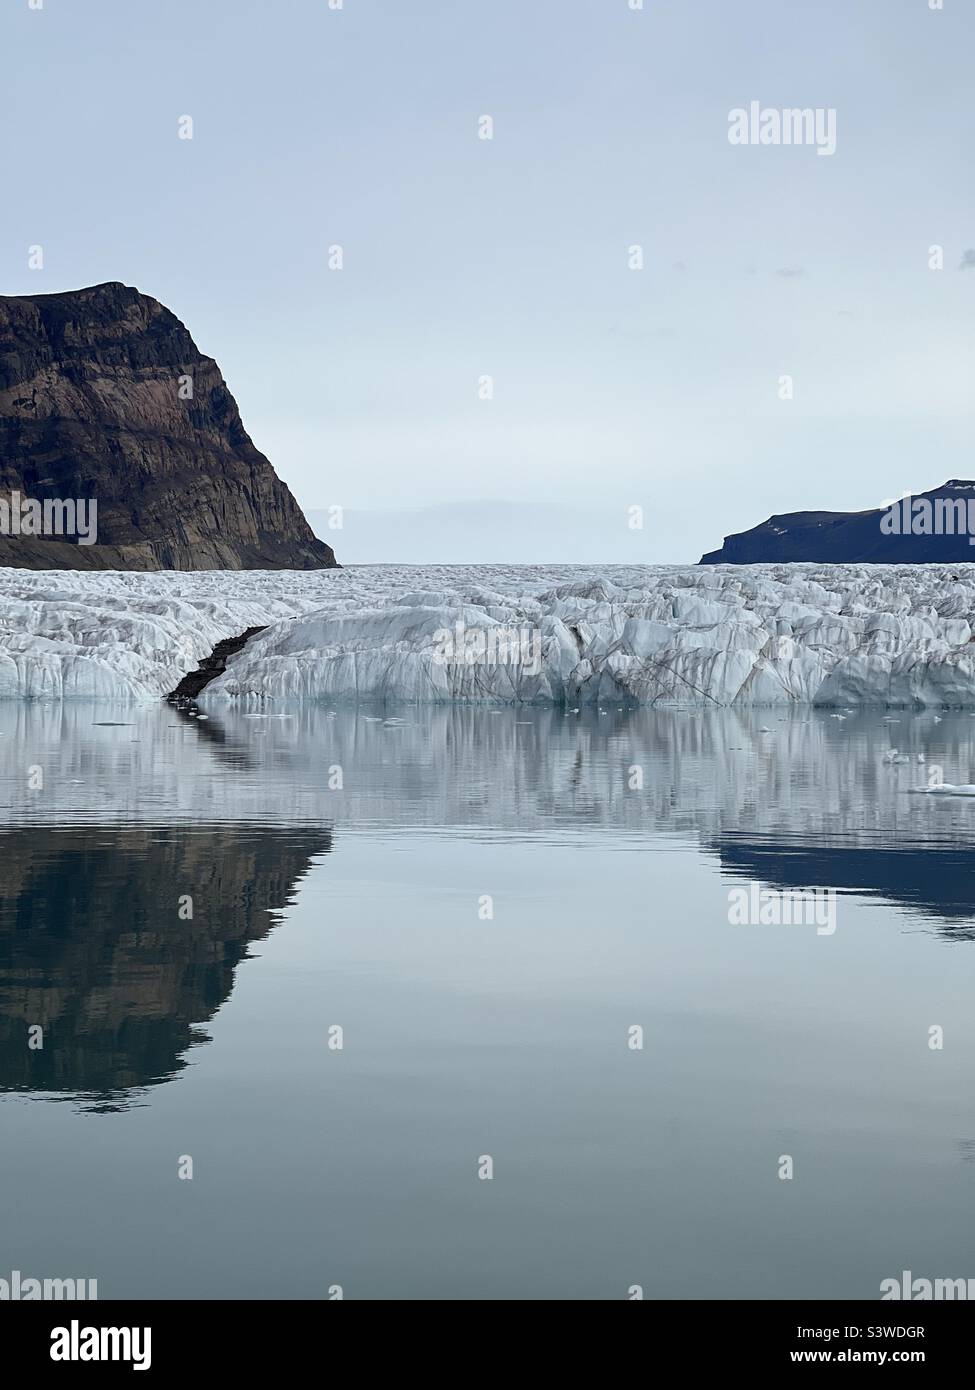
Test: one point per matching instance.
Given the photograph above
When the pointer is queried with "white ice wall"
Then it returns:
(841, 635)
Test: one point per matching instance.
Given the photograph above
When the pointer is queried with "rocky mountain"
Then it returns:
(105, 396)
(930, 528)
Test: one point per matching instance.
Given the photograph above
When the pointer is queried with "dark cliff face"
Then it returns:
(860, 537)
(90, 407)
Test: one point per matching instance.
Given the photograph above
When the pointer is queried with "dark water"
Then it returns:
(465, 1036)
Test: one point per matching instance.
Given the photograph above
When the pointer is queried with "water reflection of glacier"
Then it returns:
(808, 791)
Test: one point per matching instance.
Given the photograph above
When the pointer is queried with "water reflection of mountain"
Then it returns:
(93, 947)
(935, 880)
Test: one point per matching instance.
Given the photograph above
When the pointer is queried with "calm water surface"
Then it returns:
(360, 907)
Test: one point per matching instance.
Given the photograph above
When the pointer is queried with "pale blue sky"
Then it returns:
(508, 257)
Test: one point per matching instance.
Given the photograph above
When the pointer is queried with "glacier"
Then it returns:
(694, 636)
